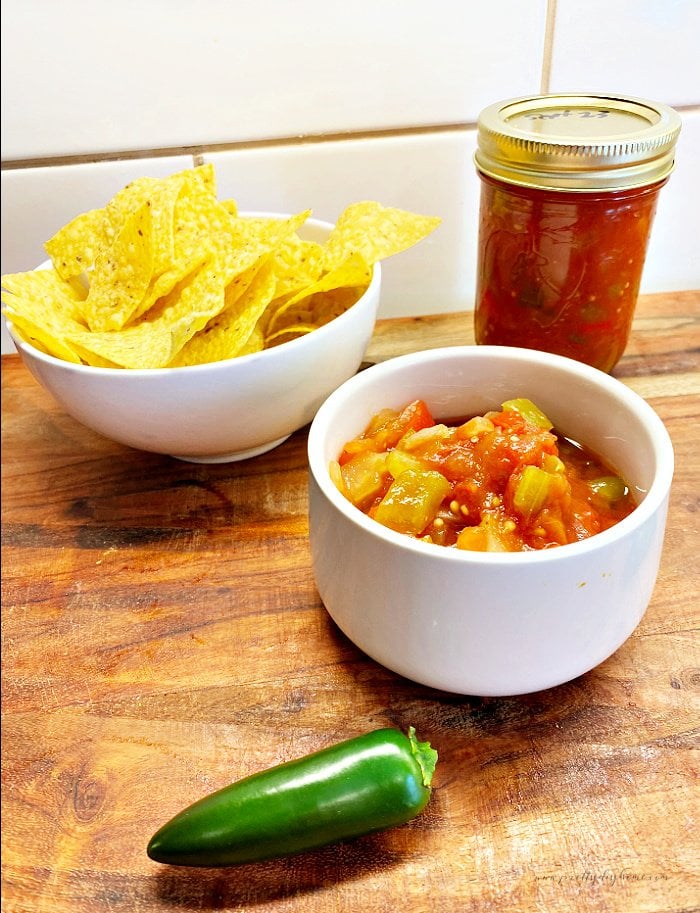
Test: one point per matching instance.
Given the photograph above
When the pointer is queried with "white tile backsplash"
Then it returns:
(163, 73)
(673, 256)
(372, 100)
(630, 47)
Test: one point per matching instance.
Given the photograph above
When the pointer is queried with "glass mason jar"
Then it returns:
(569, 185)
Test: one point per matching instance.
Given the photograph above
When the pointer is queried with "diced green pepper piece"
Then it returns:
(412, 501)
(529, 411)
(612, 488)
(398, 461)
(532, 491)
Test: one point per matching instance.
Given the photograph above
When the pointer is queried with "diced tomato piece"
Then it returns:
(471, 496)
(511, 421)
(493, 534)
(506, 448)
(387, 428)
(585, 521)
(358, 445)
(414, 417)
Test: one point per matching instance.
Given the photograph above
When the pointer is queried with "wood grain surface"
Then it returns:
(162, 636)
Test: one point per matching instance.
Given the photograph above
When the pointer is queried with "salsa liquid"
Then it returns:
(560, 271)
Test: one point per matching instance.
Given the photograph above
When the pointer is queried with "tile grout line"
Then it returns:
(197, 150)
(547, 50)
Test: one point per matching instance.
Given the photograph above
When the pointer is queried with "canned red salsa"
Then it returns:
(569, 185)
(561, 271)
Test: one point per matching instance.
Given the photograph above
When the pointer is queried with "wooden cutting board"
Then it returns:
(162, 636)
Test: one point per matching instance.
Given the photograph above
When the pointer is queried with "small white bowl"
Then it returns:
(490, 624)
(222, 411)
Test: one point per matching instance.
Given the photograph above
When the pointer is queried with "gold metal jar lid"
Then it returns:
(577, 142)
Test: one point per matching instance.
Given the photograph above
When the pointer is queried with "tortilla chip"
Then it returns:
(75, 247)
(122, 274)
(229, 332)
(375, 232)
(353, 271)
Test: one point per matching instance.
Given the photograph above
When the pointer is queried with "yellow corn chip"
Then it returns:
(326, 306)
(202, 176)
(352, 271)
(91, 358)
(228, 333)
(201, 224)
(291, 332)
(297, 264)
(256, 342)
(122, 274)
(43, 336)
(160, 195)
(153, 343)
(75, 247)
(166, 282)
(236, 242)
(43, 293)
(141, 346)
(376, 232)
(191, 305)
(44, 310)
(231, 207)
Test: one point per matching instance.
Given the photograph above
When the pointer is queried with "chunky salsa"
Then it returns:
(502, 481)
(560, 271)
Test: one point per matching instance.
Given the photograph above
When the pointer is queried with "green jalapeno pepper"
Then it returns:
(369, 783)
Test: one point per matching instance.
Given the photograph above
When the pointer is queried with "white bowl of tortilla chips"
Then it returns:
(169, 322)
